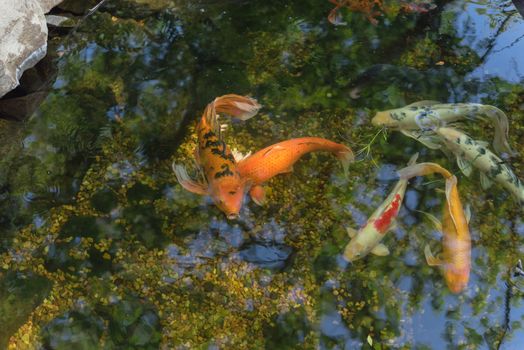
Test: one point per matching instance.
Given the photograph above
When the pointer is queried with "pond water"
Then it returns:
(100, 247)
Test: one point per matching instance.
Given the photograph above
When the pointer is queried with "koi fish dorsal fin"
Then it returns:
(451, 184)
(424, 103)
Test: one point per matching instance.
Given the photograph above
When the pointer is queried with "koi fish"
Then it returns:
(428, 115)
(369, 8)
(368, 238)
(220, 177)
(366, 7)
(280, 157)
(471, 153)
(455, 261)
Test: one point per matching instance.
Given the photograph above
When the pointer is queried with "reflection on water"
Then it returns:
(101, 248)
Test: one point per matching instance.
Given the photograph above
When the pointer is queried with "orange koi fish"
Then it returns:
(221, 179)
(456, 245)
(280, 157)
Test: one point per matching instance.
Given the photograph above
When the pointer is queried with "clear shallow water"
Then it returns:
(100, 247)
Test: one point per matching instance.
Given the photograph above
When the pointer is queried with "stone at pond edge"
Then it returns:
(23, 38)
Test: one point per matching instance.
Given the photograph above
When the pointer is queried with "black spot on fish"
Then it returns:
(225, 172)
(413, 108)
(210, 143)
(209, 134)
(223, 152)
(494, 159)
(469, 141)
(495, 170)
(395, 116)
(481, 150)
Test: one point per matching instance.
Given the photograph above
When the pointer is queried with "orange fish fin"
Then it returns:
(239, 156)
(185, 181)
(430, 258)
(258, 194)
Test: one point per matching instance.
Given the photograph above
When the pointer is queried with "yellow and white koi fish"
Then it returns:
(368, 238)
(471, 153)
(428, 115)
(455, 261)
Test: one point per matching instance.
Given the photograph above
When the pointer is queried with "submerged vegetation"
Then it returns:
(101, 248)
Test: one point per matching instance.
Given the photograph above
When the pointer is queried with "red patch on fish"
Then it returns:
(383, 222)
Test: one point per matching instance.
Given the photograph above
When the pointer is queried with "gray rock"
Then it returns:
(23, 38)
(47, 5)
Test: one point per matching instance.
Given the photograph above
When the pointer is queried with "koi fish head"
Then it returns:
(228, 196)
(385, 119)
(456, 278)
(354, 251)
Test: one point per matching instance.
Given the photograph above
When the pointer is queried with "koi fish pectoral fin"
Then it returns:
(380, 250)
(351, 232)
(430, 258)
(464, 166)
(185, 181)
(436, 222)
(485, 181)
(258, 194)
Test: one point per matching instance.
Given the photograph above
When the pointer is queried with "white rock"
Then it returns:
(23, 38)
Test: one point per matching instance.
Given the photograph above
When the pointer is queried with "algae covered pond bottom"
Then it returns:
(101, 248)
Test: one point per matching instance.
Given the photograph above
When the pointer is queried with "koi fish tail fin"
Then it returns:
(345, 157)
(236, 106)
(422, 169)
(501, 124)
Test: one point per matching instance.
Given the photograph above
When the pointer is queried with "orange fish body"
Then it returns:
(222, 179)
(280, 157)
(456, 242)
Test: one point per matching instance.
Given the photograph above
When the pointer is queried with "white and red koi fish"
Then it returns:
(368, 238)
(280, 157)
(221, 179)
